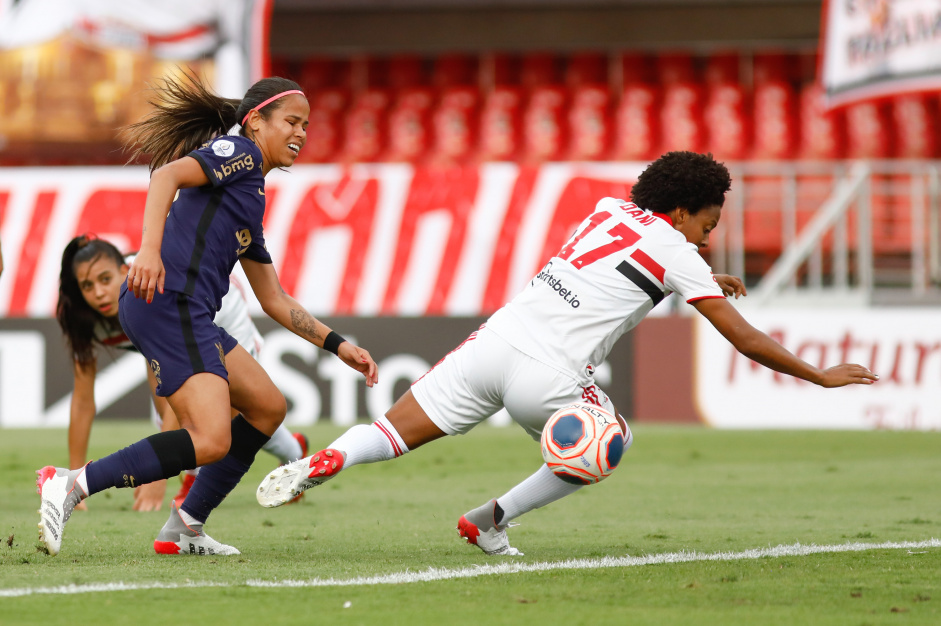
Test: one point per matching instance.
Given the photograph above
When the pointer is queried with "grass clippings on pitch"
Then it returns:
(679, 490)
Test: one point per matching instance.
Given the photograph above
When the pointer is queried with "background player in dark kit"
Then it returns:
(203, 212)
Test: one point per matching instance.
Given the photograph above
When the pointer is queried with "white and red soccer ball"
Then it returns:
(582, 443)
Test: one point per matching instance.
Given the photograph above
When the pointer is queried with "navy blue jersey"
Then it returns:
(210, 227)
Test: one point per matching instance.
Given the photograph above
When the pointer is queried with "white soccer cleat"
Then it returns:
(58, 496)
(479, 529)
(292, 479)
(178, 537)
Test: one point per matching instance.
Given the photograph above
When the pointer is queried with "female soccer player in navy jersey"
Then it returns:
(536, 354)
(203, 212)
(87, 311)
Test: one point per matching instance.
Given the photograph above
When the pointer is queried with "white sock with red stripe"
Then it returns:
(283, 445)
(538, 490)
(369, 444)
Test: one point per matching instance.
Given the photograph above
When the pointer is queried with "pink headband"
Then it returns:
(269, 101)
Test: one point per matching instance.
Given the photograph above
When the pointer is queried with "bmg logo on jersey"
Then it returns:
(245, 239)
(243, 162)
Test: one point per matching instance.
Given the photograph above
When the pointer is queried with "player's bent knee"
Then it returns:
(211, 449)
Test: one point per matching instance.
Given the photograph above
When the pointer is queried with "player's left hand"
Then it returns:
(149, 497)
(847, 374)
(359, 360)
(731, 285)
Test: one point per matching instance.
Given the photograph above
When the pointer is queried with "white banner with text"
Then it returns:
(902, 346)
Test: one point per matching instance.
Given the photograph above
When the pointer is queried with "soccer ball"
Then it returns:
(582, 443)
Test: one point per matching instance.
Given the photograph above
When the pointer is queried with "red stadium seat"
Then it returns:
(681, 119)
(637, 123)
(589, 118)
(544, 127)
(822, 132)
(365, 126)
(915, 120)
(454, 70)
(636, 67)
(587, 68)
(722, 68)
(675, 67)
(775, 120)
(455, 125)
(539, 69)
(869, 130)
(409, 125)
(726, 119)
(501, 124)
(405, 71)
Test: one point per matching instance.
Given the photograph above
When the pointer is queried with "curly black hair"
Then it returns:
(684, 179)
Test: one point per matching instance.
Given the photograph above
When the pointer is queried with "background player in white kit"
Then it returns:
(537, 353)
(87, 311)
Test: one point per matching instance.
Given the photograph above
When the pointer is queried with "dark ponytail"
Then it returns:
(187, 114)
(76, 318)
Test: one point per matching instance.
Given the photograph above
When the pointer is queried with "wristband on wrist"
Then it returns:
(332, 342)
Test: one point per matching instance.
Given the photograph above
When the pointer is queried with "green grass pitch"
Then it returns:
(678, 490)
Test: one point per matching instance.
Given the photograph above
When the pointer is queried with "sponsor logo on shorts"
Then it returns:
(221, 353)
(566, 294)
(223, 148)
(155, 367)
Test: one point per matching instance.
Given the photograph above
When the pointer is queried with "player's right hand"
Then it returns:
(146, 274)
(847, 374)
(360, 360)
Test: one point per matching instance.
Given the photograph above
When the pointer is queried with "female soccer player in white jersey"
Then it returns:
(204, 211)
(536, 354)
(87, 311)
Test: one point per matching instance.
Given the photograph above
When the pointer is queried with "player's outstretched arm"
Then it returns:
(288, 312)
(146, 273)
(760, 348)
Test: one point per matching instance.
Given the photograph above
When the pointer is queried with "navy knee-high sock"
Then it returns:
(159, 456)
(215, 481)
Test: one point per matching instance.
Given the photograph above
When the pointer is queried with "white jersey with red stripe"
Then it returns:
(619, 264)
(113, 336)
(233, 316)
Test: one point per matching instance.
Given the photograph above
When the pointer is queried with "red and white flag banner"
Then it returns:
(366, 240)
(879, 48)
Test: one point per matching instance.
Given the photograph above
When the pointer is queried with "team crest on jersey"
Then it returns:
(155, 367)
(590, 370)
(223, 148)
(221, 353)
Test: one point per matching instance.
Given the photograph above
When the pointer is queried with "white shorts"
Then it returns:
(485, 374)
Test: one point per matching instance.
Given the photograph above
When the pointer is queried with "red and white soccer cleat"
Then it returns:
(58, 496)
(292, 479)
(178, 537)
(479, 529)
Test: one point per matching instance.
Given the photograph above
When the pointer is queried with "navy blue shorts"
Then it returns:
(176, 335)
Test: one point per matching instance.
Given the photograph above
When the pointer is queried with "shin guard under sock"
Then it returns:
(159, 456)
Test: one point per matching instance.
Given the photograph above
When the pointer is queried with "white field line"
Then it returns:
(505, 567)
